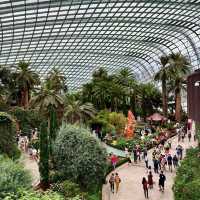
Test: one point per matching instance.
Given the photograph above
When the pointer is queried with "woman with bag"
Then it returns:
(117, 181)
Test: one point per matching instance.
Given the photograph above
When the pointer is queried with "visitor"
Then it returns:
(163, 163)
(138, 151)
(182, 136)
(26, 142)
(34, 154)
(22, 145)
(189, 135)
(150, 180)
(126, 152)
(117, 181)
(30, 152)
(169, 162)
(145, 187)
(149, 170)
(146, 161)
(162, 180)
(179, 151)
(169, 144)
(112, 183)
(114, 160)
(156, 165)
(129, 158)
(135, 155)
(145, 152)
(175, 161)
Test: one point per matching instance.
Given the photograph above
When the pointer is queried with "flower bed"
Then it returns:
(148, 141)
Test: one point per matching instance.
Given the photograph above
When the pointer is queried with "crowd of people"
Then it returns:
(161, 161)
(24, 143)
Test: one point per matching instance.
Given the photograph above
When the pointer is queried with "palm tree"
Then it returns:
(126, 78)
(57, 81)
(180, 67)
(163, 75)
(150, 98)
(76, 111)
(26, 80)
(47, 101)
(8, 90)
(100, 74)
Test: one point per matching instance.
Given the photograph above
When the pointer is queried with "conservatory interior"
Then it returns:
(100, 100)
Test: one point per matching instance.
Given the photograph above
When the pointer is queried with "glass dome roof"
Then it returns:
(79, 36)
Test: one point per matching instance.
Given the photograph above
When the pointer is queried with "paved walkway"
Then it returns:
(32, 167)
(131, 176)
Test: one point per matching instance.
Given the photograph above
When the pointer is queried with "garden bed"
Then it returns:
(148, 142)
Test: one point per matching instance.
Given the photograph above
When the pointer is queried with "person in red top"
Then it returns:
(145, 187)
(114, 160)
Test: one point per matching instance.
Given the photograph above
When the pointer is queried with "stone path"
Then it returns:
(131, 176)
(32, 167)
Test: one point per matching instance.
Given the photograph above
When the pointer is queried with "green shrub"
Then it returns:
(31, 195)
(8, 144)
(27, 119)
(68, 189)
(12, 176)
(187, 182)
(79, 157)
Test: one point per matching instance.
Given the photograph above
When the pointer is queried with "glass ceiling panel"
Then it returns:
(80, 36)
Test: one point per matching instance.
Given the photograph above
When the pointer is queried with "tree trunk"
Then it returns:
(164, 98)
(26, 98)
(178, 105)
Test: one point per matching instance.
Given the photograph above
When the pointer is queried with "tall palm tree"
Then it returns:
(26, 80)
(180, 67)
(76, 111)
(47, 101)
(126, 78)
(163, 75)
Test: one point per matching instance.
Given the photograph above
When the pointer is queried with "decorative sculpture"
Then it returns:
(130, 127)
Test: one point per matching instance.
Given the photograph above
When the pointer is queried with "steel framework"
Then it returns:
(79, 36)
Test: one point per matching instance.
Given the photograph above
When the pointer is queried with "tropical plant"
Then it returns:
(27, 119)
(150, 98)
(57, 81)
(126, 78)
(47, 101)
(8, 87)
(12, 177)
(76, 111)
(79, 157)
(44, 157)
(103, 91)
(187, 181)
(163, 75)
(180, 67)
(68, 189)
(26, 80)
(23, 194)
(118, 120)
(8, 144)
